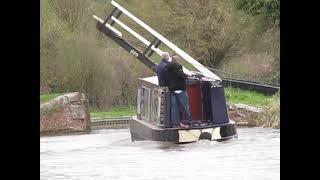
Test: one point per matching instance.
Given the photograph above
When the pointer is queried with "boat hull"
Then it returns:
(142, 130)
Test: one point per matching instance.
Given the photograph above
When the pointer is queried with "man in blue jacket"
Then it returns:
(161, 69)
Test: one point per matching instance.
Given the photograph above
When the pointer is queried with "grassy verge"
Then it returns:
(115, 112)
(47, 97)
(234, 95)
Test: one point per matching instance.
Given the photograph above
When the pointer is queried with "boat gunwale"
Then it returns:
(154, 126)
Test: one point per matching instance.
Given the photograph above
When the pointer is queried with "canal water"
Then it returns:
(110, 154)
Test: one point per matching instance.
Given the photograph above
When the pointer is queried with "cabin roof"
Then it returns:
(152, 80)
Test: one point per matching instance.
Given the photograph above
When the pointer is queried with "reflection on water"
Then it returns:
(110, 154)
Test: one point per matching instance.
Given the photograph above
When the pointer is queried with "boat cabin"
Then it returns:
(206, 102)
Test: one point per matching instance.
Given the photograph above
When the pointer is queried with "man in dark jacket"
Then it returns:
(161, 69)
(178, 95)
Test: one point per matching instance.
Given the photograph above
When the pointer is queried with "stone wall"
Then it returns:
(66, 113)
(243, 114)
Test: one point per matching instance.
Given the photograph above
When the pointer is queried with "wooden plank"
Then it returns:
(135, 34)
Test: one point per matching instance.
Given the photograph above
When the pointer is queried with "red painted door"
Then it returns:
(195, 101)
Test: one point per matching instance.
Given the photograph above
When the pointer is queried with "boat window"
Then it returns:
(144, 103)
(155, 106)
(138, 101)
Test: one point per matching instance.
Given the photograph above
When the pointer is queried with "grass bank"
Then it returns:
(114, 112)
(47, 97)
(235, 95)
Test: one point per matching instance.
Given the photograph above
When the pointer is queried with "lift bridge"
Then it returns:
(106, 27)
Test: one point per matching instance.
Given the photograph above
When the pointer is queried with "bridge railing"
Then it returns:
(237, 81)
(110, 122)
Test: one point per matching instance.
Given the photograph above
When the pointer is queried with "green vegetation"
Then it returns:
(234, 95)
(115, 112)
(266, 9)
(47, 97)
(236, 36)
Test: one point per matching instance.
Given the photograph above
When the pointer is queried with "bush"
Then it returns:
(79, 58)
(220, 36)
(204, 28)
(269, 10)
(270, 117)
(109, 77)
(71, 12)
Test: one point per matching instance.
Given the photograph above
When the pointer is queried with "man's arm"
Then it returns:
(165, 76)
(160, 74)
(180, 72)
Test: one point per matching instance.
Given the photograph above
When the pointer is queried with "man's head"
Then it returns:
(176, 58)
(165, 56)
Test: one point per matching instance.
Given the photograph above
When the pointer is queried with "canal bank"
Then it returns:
(243, 115)
(70, 114)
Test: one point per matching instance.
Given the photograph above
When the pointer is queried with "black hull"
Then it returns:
(142, 130)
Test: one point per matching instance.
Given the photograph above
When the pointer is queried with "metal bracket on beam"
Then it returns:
(112, 29)
(128, 47)
(117, 15)
(149, 47)
(157, 43)
(107, 18)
